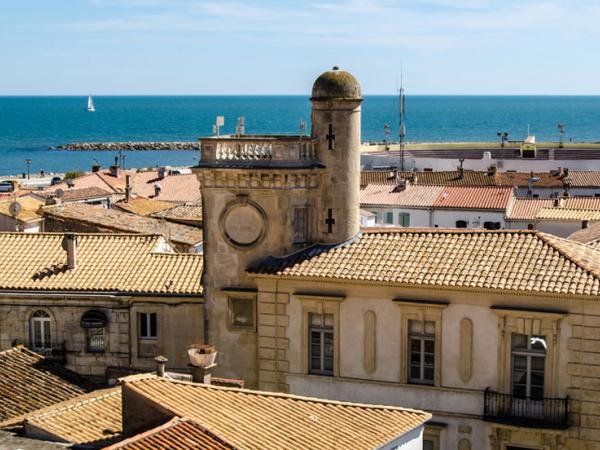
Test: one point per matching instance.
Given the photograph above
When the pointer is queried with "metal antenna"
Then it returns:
(402, 127)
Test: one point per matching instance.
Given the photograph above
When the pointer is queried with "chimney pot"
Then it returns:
(202, 360)
(161, 362)
(127, 188)
(584, 224)
(70, 245)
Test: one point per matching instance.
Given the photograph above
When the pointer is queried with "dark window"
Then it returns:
(421, 352)
(241, 312)
(530, 226)
(389, 217)
(528, 364)
(491, 225)
(536, 195)
(301, 224)
(320, 334)
(148, 326)
(96, 340)
(461, 224)
(404, 219)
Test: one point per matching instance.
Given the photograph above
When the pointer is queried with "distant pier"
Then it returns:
(130, 146)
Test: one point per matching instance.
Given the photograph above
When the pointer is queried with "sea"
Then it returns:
(29, 126)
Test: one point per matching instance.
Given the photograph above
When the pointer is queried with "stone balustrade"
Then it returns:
(258, 148)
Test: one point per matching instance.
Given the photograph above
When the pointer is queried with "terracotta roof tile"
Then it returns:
(261, 420)
(188, 212)
(521, 179)
(496, 198)
(591, 203)
(505, 260)
(584, 178)
(92, 419)
(183, 188)
(29, 382)
(589, 235)
(30, 208)
(105, 262)
(527, 208)
(568, 214)
(176, 434)
(119, 221)
(412, 196)
(75, 194)
(143, 206)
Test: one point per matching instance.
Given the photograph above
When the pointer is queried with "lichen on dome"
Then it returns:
(336, 83)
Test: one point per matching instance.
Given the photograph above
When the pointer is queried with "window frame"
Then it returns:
(296, 238)
(320, 304)
(528, 353)
(422, 338)
(231, 299)
(389, 218)
(420, 311)
(404, 219)
(323, 331)
(466, 222)
(88, 347)
(45, 322)
(148, 322)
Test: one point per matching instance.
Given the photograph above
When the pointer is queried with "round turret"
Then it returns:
(336, 84)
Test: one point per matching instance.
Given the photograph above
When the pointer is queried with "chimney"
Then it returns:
(461, 171)
(157, 189)
(491, 171)
(202, 360)
(127, 188)
(566, 172)
(584, 224)
(161, 362)
(115, 169)
(556, 202)
(96, 167)
(162, 173)
(69, 244)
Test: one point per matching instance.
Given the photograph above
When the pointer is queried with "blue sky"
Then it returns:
(279, 47)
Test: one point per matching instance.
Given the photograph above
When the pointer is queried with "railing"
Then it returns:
(526, 411)
(53, 352)
(258, 148)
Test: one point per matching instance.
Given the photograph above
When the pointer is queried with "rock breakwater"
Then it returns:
(132, 146)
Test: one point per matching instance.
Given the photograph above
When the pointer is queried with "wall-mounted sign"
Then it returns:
(94, 319)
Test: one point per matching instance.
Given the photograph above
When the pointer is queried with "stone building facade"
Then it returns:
(492, 331)
(95, 302)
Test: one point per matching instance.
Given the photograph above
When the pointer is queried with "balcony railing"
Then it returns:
(54, 352)
(526, 411)
(249, 148)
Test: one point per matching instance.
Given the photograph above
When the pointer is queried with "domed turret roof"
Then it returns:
(336, 83)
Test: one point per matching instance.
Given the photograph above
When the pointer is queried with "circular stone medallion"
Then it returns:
(243, 224)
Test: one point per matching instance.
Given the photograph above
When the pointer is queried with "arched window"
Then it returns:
(39, 329)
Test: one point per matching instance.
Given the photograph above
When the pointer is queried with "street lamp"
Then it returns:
(28, 162)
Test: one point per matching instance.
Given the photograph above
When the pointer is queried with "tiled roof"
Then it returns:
(188, 212)
(527, 208)
(474, 197)
(480, 259)
(584, 178)
(29, 208)
(568, 214)
(92, 419)
(101, 180)
(429, 178)
(176, 434)
(105, 262)
(591, 203)
(263, 420)
(75, 194)
(521, 179)
(589, 235)
(29, 382)
(120, 221)
(411, 196)
(143, 206)
(183, 188)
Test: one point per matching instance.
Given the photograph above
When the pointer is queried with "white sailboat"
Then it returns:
(90, 104)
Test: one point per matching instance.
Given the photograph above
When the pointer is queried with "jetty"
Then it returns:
(130, 146)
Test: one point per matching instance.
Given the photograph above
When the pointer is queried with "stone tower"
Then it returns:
(270, 195)
(336, 100)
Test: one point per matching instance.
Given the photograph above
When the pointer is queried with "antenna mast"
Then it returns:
(402, 128)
